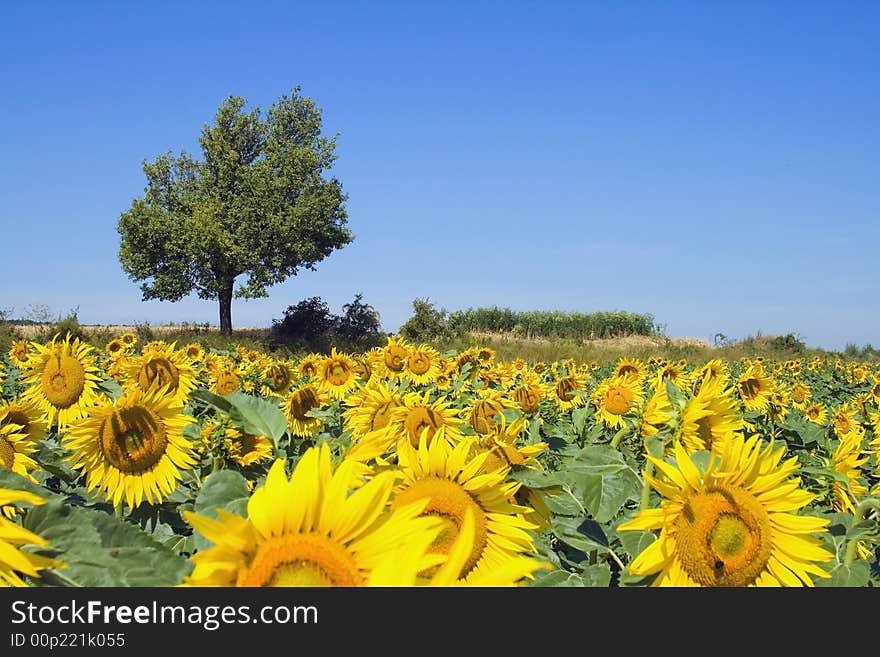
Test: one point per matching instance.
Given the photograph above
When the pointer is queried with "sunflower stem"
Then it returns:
(118, 510)
(859, 515)
(618, 437)
(217, 464)
(646, 487)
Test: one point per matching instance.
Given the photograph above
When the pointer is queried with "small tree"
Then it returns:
(358, 326)
(426, 324)
(258, 205)
(307, 325)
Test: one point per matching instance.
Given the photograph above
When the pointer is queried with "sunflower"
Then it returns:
(370, 409)
(26, 416)
(454, 482)
(416, 414)
(296, 406)
(502, 442)
(716, 368)
(278, 378)
(780, 403)
(166, 366)
(445, 378)
(16, 450)
(20, 353)
(307, 368)
(800, 395)
(129, 339)
(631, 369)
(486, 356)
(875, 391)
(394, 355)
(225, 381)
(732, 523)
(336, 374)
(845, 421)
(422, 364)
(63, 380)
(568, 391)
(467, 360)
(657, 411)
(755, 388)
(312, 530)
(133, 449)
(847, 460)
(816, 413)
(115, 348)
(710, 417)
(247, 448)
(858, 373)
(486, 408)
(15, 562)
(363, 368)
(195, 352)
(528, 397)
(615, 397)
(674, 371)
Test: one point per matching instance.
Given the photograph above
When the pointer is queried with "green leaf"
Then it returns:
(558, 578)
(111, 387)
(257, 416)
(635, 542)
(855, 575)
(536, 478)
(562, 503)
(53, 459)
(597, 575)
(14, 481)
(579, 419)
(102, 550)
(580, 533)
(250, 414)
(207, 397)
(226, 490)
(602, 480)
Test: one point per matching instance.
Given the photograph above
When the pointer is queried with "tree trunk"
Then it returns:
(225, 297)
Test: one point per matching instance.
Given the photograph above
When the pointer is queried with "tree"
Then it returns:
(426, 324)
(258, 205)
(359, 326)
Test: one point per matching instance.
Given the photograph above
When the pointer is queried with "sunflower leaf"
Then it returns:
(15, 481)
(596, 575)
(634, 542)
(855, 575)
(226, 489)
(580, 533)
(558, 578)
(102, 550)
(257, 416)
(602, 480)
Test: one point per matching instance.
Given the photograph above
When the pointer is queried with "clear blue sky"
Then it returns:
(716, 164)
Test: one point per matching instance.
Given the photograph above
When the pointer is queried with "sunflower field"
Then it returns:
(164, 464)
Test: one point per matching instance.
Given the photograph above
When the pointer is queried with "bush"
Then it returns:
(789, 342)
(427, 323)
(64, 326)
(310, 326)
(358, 329)
(304, 326)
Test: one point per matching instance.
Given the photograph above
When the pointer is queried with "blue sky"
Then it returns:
(712, 163)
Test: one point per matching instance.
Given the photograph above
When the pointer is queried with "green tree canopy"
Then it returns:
(257, 205)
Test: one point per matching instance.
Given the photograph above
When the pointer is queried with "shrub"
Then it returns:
(358, 329)
(310, 326)
(427, 324)
(789, 342)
